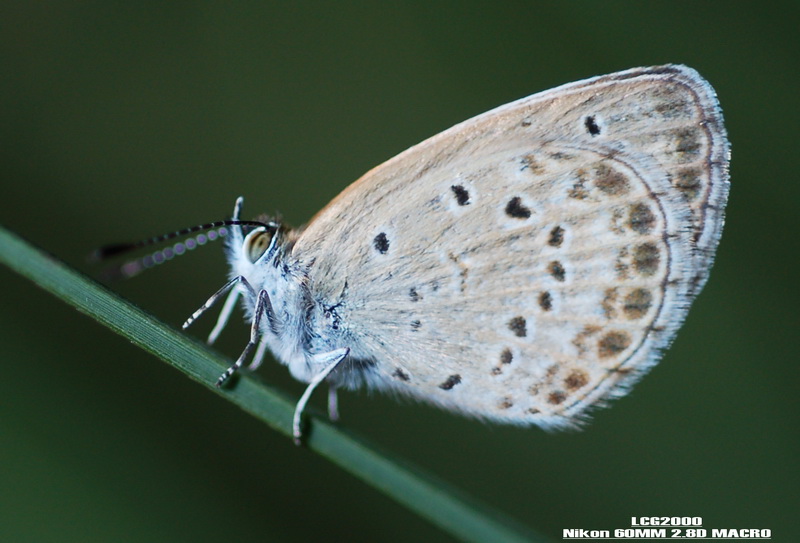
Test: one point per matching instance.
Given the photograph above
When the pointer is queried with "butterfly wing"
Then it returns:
(535, 259)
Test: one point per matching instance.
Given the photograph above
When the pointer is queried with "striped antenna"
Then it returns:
(207, 232)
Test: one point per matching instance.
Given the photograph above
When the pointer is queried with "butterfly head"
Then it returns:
(252, 252)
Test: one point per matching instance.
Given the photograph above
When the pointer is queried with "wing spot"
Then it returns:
(415, 325)
(518, 325)
(621, 371)
(646, 259)
(579, 190)
(609, 299)
(414, 295)
(381, 243)
(400, 374)
(506, 403)
(689, 182)
(610, 181)
(556, 237)
(529, 162)
(516, 210)
(451, 381)
(637, 303)
(556, 269)
(462, 194)
(591, 125)
(506, 357)
(576, 379)
(613, 343)
(556, 397)
(641, 219)
(620, 265)
(545, 301)
(687, 142)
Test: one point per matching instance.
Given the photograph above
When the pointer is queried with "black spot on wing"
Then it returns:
(462, 194)
(515, 209)
(451, 381)
(381, 243)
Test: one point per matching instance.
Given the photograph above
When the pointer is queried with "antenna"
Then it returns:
(207, 232)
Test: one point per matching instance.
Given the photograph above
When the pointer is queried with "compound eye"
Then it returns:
(256, 243)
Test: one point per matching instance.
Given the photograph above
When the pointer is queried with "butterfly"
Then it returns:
(521, 267)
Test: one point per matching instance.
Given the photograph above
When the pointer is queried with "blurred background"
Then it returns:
(122, 120)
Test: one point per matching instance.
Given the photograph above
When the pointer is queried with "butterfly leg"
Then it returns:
(263, 307)
(211, 301)
(329, 361)
(258, 358)
(227, 308)
(333, 404)
(224, 315)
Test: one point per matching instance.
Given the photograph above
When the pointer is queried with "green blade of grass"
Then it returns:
(426, 495)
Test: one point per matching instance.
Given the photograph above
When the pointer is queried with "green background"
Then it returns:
(123, 120)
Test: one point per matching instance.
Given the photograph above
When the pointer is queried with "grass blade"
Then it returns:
(422, 493)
